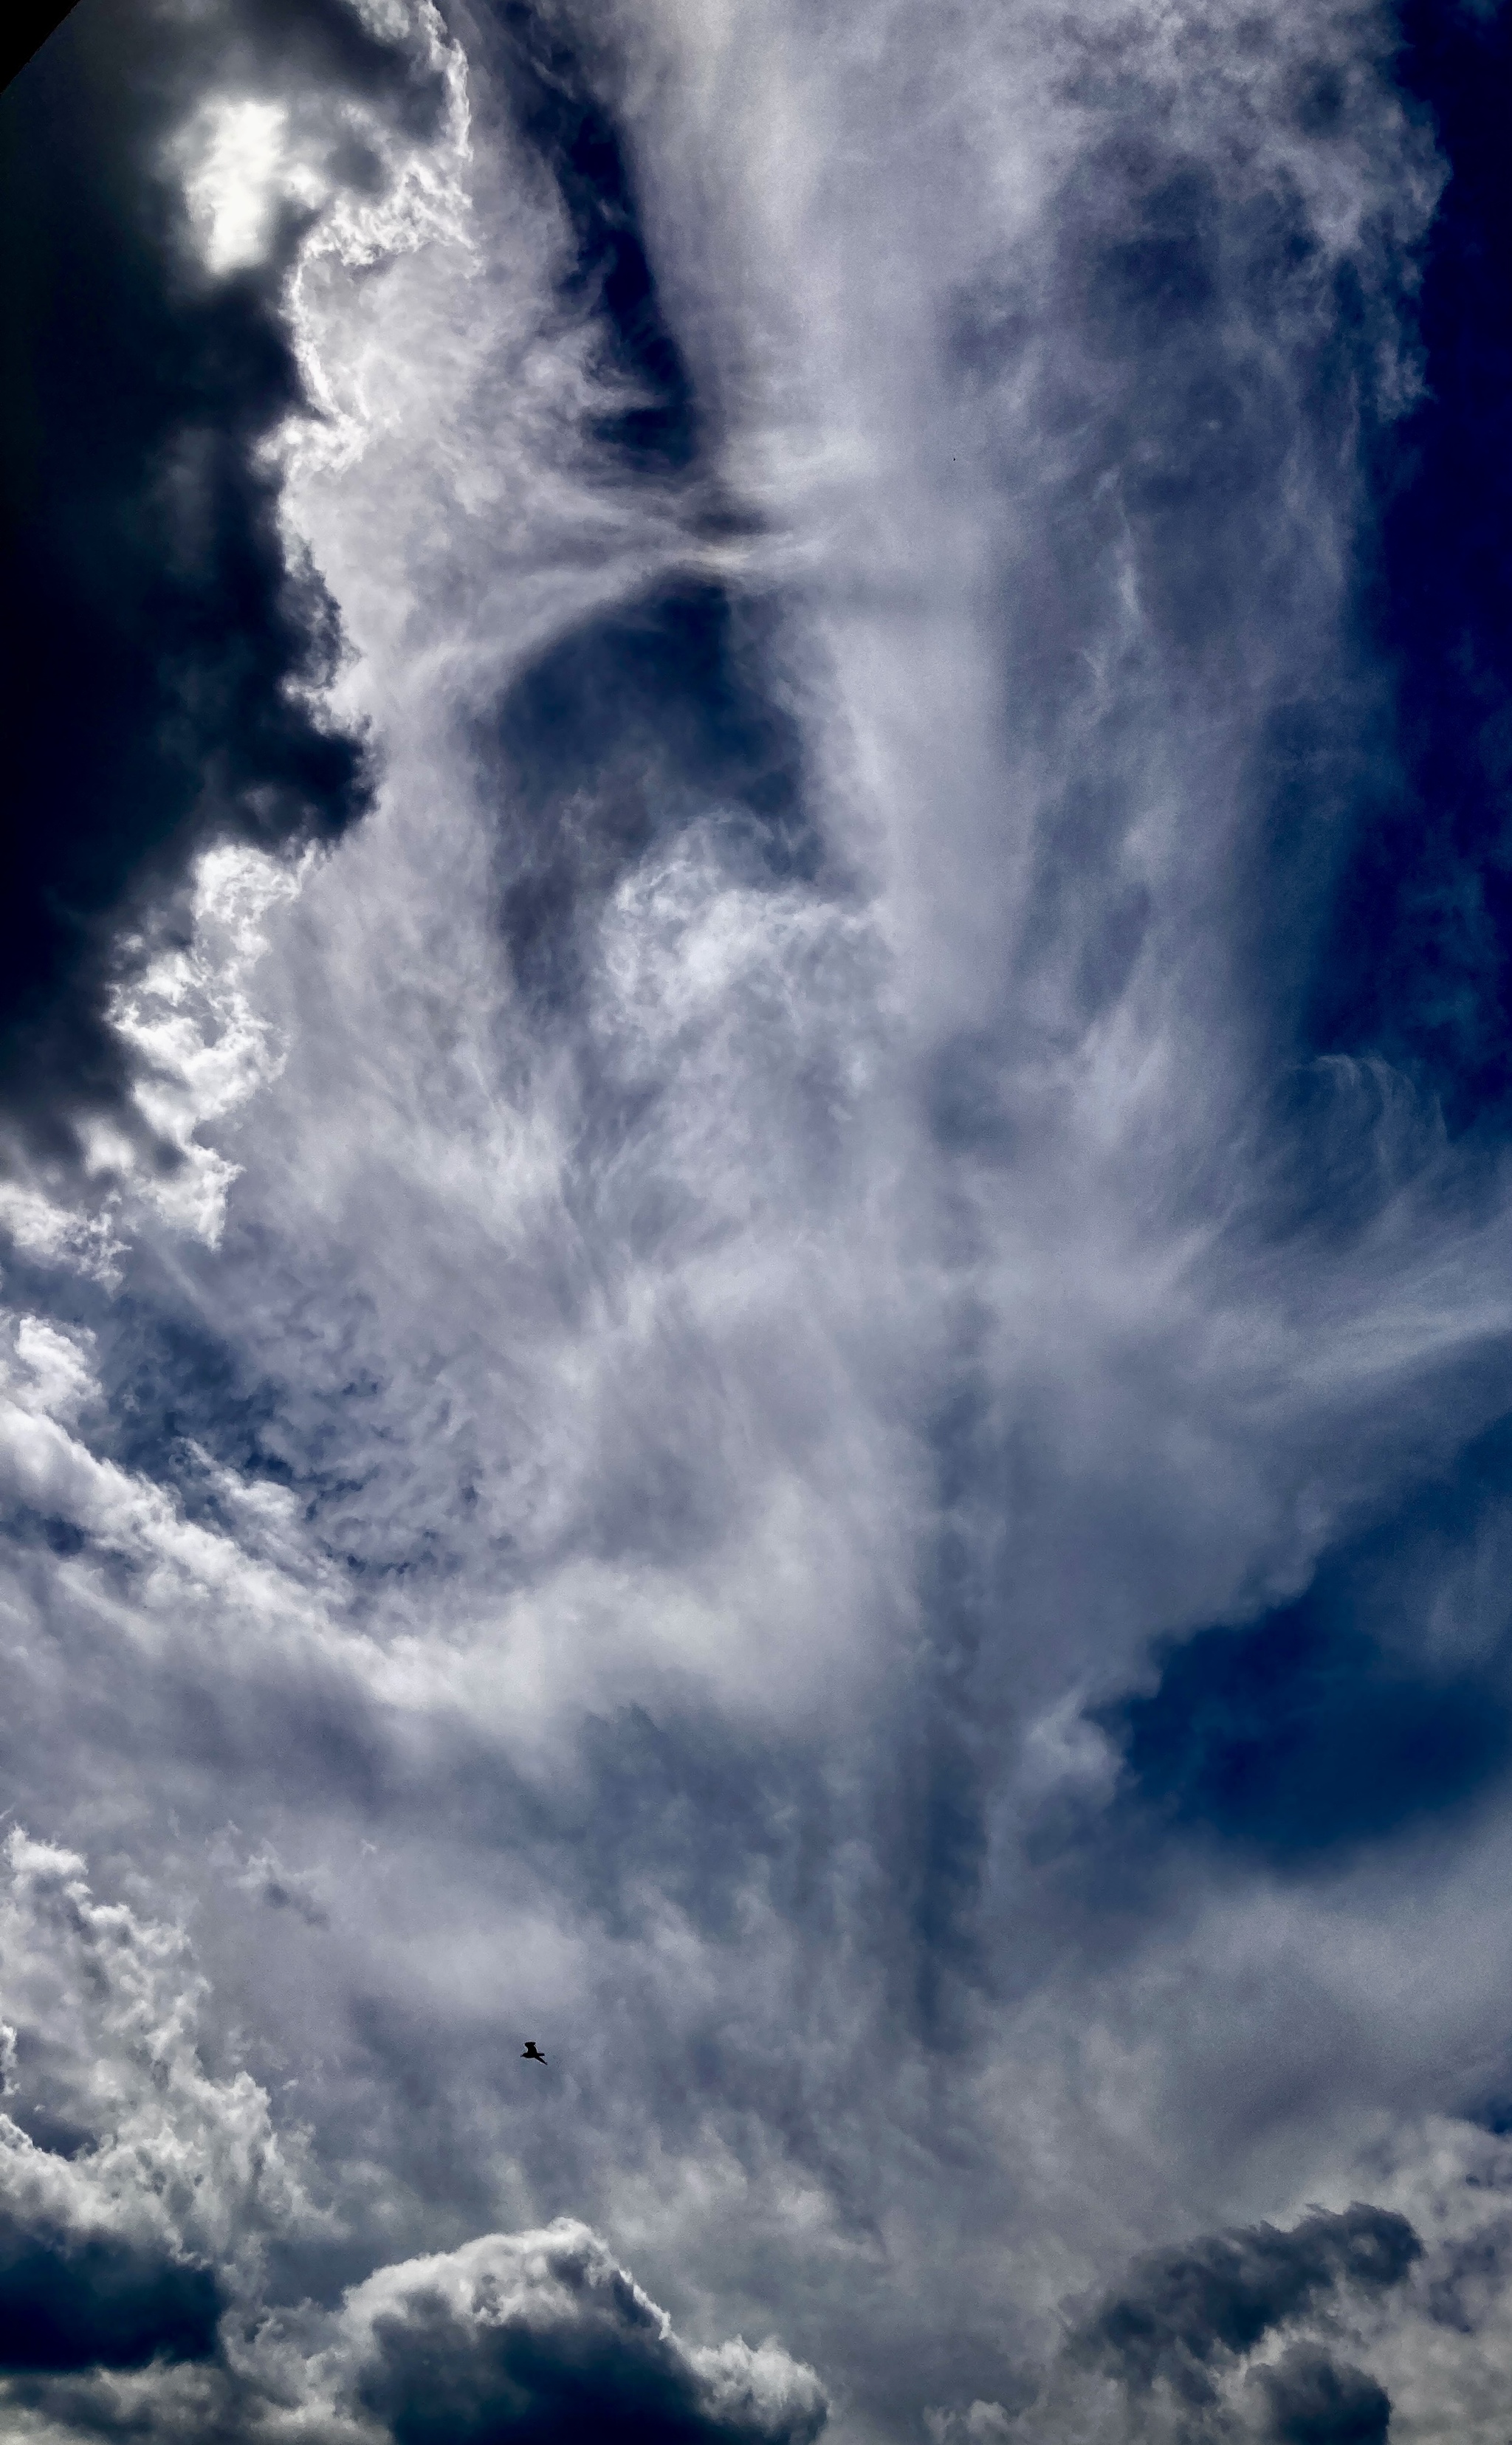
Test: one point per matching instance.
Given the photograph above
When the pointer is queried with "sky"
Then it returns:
(756, 1224)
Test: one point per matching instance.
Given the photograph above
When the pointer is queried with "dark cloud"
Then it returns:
(538, 2338)
(1185, 2313)
(549, 2343)
(166, 640)
(82, 2300)
(1315, 2400)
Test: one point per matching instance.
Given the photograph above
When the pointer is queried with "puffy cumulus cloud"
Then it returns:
(139, 2194)
(113, 2122)
(197, 1047)
(544, 2338)
(138, 2190)
(533, 2338)
(1346, 2324)
(1183, 2311)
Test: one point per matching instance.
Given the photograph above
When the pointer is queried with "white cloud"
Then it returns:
(106, 2007)
(238, 175)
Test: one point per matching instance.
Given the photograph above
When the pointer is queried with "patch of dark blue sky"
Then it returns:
(1373, 907)
(1336, 1722)
(1416, 960)
(632, 726)
(568, 123)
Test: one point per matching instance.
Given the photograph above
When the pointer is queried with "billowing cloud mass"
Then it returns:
(1185, 2314)
(755, 1180)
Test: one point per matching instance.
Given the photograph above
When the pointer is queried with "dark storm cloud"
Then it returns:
(82, 2300)
(1185, 2314)
(1315, 2400)
(561, 2348)
(164, 639)
(539, 2338)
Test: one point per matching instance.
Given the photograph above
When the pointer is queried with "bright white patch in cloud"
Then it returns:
(105, 2005)
(238, 174)
(199, 1050)
(202, 1048)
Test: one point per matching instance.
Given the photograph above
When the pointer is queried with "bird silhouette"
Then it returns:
(533, 2052)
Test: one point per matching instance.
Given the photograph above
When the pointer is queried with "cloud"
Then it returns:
(74, 2300)
(113, 2122)
(1201, 2342)
(1185, 2311)
(607, 278)
(543, 2337)
(1314, 2400)
(143, 2201)
(729, 1386)
(539, 2338)
(160, 588)
(138, 2191)
(284, 1888)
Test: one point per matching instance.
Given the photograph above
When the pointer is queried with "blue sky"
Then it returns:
(754, 1174)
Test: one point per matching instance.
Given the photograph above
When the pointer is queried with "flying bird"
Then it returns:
(533, 2052)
